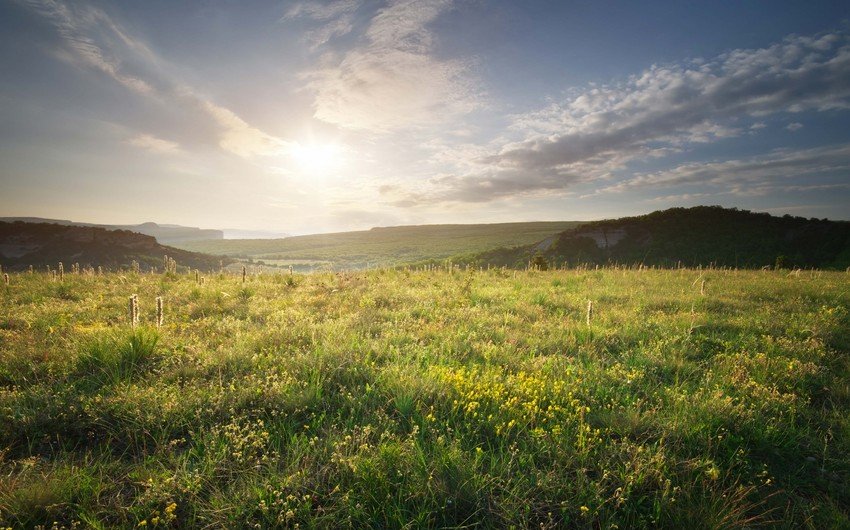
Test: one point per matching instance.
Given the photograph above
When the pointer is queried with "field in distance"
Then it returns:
(391, 398)
(381, 246)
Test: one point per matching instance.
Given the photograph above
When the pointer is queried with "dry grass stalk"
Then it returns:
(133, 310)
(159, 311)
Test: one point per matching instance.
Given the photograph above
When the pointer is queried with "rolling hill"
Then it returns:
(381, 246)
(39, 244)
(701, 235)
(165, 234)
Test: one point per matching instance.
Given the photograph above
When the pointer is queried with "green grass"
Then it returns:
(381, 246)
(389, 399)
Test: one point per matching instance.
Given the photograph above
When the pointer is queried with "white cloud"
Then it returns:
(152, 143)
(240, 138)
(794, 126)
(394, 80)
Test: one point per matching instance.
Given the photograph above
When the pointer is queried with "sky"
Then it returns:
(318, 116)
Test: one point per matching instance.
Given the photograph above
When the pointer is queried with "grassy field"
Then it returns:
(381, 246)
(390, 399)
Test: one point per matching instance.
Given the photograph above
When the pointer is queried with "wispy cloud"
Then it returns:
(753, 175)
(240, 138)
(154, 144)
(93, 40)
(333, 19)
(85, 33)
(394, 80)
(601, 130)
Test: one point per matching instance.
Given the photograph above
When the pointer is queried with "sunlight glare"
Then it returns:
(316, 158)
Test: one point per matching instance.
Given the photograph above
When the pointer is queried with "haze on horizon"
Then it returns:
(313, 116)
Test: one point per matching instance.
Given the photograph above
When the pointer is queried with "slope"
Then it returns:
(701, 235)
(382, 246)
(40, 244)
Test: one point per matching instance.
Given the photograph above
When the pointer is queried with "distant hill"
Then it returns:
(238, 233)
(164, 233)
(23, 244)
(701, 235)
(381, 246)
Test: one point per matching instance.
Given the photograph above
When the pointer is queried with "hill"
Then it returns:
(164, 233)
(23, 244)
(701, 235)
(381, 246)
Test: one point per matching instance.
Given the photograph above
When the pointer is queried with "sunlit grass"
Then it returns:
(396, 398)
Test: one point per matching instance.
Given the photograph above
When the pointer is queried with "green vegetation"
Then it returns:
(41, 244)
(396, 398)
(381, 246)
(702, 235)
(165, 234)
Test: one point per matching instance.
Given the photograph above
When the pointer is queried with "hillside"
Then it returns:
(382, 246)
(165, 234)
(701, 235)
(40, 244)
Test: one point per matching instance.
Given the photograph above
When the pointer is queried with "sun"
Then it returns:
(316, 158)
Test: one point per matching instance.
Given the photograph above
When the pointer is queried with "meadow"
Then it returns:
(407, 399)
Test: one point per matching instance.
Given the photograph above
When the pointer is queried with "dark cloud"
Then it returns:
(773, 170)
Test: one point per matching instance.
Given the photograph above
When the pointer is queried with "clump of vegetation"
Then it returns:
(438, 398)
(538, 262)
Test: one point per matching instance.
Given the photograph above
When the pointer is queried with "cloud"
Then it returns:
(335, 19)
(91, 39)
(240, 138)
(85, 32)
(794, 126)
(322, 11)
(393, 81)
(693, 102)
(483, 188)
(747, 176)
(152, 143)
(602, 129)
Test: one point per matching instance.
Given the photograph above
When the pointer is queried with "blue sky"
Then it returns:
(322, 116)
